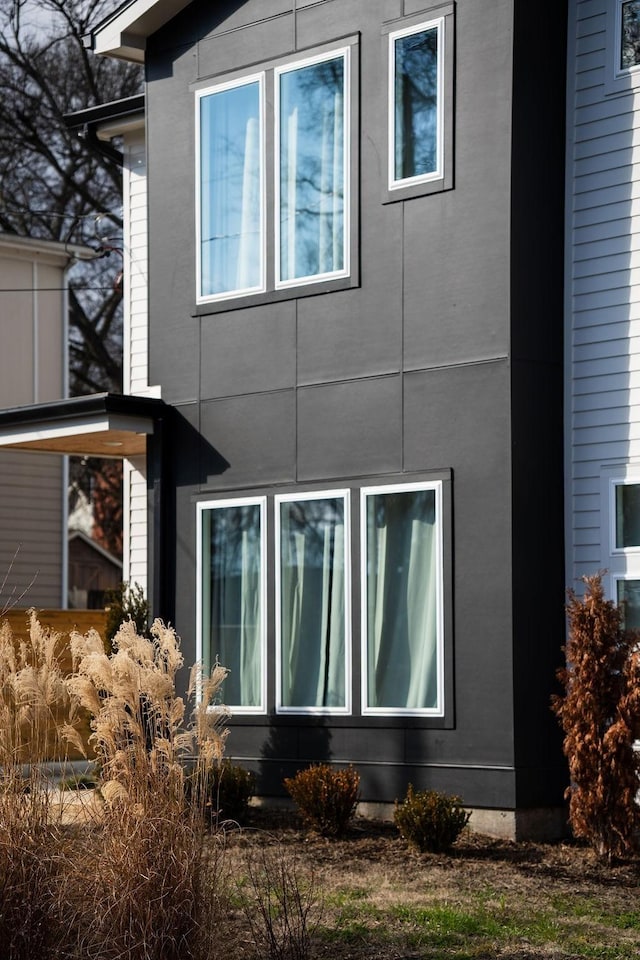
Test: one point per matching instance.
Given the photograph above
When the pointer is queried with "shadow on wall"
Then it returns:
(290, 747)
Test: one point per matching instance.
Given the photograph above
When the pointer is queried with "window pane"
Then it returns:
(627, 515)
(629, 600)
(416, 104)
(312, 603)
(230, 190)
(312, 171)
(630, 35)
(232, 599)
(402, 600)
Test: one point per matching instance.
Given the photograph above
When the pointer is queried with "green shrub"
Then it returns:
(224, 791)
(325, 797)
(429, 820)
(126, 602)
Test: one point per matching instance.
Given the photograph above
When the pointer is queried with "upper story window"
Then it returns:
(273, 178)
(420, 70)
(311, 184)
(231, 124)
(415, 96)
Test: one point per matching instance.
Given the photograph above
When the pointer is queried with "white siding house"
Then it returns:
(603, 300)
(136, 353)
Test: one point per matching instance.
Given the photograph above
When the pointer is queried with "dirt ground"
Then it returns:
(485, 900)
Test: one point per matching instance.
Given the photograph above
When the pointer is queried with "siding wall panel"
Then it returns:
(603, 220)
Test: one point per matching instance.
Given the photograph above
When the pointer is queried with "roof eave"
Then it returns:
(124, 34)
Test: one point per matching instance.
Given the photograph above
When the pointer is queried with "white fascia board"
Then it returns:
(52, 250)
(78, 427)
(124, 35)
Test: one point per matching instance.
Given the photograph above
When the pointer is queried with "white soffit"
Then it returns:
(124, 34)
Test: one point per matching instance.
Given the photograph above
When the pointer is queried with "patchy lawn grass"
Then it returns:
(488, 899)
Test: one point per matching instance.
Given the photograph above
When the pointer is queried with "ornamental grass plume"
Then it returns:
(148, 874)
(599, 714)
(34, 709)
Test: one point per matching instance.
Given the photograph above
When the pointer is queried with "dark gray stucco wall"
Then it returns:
(407, 373)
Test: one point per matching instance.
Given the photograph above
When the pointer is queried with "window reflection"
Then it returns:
(312, 170)
(231, 201)
(416, 104)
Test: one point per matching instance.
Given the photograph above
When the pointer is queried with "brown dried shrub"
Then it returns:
(599, 713)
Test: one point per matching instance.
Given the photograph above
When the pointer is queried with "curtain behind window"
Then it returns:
(232, 599)
(402, 600)
(312, 603)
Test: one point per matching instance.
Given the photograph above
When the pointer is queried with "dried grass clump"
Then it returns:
(599, 713)
(34, 707)
(147, 870)
(139, 730)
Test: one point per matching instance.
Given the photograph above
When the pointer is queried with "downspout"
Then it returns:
(64, 600)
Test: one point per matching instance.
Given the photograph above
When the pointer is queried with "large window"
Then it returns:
(273, 174)
(312, 632)
(280, 613)
(231, 600)
(402, 601)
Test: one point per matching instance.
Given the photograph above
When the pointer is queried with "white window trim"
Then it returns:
(293, 498)
(438, 710)
(438, 174)
(202, 507)
(201, 298)
(614, 482)
(345, 53)
(619, 70)
(617, 79)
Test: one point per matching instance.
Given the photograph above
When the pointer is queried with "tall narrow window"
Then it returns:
(415, 95)
(627, 516)
(628, 598)
(312, 603)
(231, 258)
(232, 598)
(311, 175)
(402, 599)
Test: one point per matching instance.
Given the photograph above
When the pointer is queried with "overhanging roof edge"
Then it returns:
(102, 425)
(94, 404)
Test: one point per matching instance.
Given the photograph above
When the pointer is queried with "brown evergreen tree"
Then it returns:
(599, 713)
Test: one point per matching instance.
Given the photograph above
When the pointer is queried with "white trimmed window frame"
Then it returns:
(439, 709)
(344, 495)
(270, 184)
(355, 593)
(617, 79)
(345, 53)
(201, 95)
(396, 183)
(201, 508)
(619, 563)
